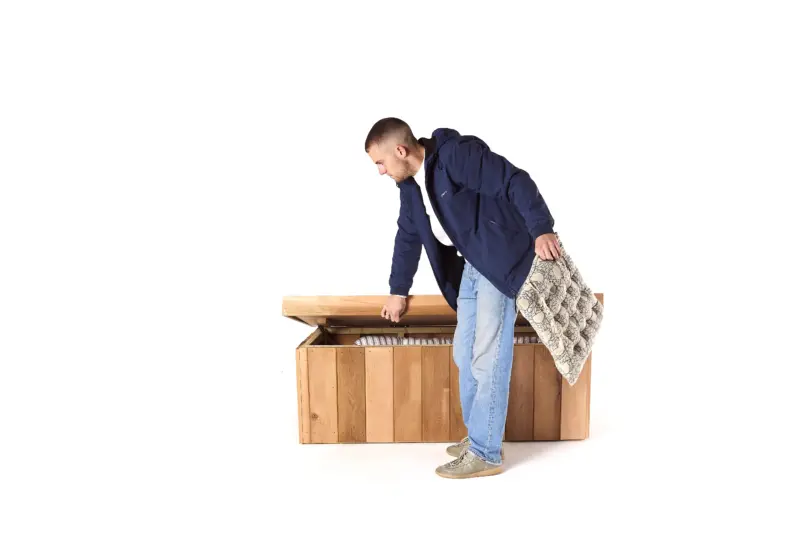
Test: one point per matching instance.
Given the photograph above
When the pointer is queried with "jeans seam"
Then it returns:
(472, 289)
(472, 355)
(495, 359)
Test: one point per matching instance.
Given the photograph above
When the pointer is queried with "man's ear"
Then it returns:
(401, 150)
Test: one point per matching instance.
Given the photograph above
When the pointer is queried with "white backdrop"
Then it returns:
(170, 170)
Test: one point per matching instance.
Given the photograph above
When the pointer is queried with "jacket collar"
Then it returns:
(431, 145)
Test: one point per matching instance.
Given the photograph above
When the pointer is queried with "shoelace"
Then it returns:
(458, 460)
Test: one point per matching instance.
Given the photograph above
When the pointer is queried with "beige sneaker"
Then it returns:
(468, 465)
(455, 450)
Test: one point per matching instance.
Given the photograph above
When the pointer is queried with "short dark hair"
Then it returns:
(387, 127)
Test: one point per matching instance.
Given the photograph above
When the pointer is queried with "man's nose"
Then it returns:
(382, 171)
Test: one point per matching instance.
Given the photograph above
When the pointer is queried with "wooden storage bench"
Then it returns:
(409, 393)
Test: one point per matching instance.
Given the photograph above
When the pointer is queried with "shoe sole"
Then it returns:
(482, 473)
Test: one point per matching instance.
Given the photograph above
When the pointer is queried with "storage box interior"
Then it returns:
(343, 320)
(345, 336)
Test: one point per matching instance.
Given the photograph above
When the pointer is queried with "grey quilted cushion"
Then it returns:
(563, 310)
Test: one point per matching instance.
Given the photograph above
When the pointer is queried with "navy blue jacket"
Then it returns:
(491, 210)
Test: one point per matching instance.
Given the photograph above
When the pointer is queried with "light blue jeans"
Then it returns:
(483, 349)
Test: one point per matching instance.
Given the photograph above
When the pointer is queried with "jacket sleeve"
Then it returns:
(476, 167)
(407, 250)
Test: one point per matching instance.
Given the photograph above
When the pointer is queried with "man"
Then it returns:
(481, 221)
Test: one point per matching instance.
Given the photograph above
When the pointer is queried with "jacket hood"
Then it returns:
(439, 137)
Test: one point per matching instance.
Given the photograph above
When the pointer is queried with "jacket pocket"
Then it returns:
(498, 214)
(501, 227)
(501, 245)
(462, 209)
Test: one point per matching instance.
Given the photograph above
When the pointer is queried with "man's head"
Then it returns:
(394, 149)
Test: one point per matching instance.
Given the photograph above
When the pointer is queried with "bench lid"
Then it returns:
(365, 311)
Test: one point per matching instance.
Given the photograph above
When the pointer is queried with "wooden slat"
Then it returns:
(379, 365)
(365, 311)
(457, 428)
(435, 393)
(546, 396)
(519, 423)
(351, 388)
(601, 297)
(574, 403)
(589, 396)
(303, 407)
(344, 340)
(322, 397)
(408, 394)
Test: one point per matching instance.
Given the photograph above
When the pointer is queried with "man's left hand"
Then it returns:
(546, 246)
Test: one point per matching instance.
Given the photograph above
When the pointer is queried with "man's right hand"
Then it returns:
(394, 308)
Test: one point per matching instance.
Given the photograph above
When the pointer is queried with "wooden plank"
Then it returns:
(519, 423)
(408, 394)
(574, 405)
(379, 366)
(457, 428)
(366, 310)
(352, 404)
(589, 395)
(303, 408)
(546, 396)
(322, 397)
(431, 310)
(588, 369)
(344, 340)
(435, 393)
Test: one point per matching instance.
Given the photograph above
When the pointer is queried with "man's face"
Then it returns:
(391, 159)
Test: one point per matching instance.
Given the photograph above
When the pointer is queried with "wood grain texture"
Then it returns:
(364, 311)
(343, 340)
(589, 397)
(519, 423)
(457, 428)
(435, 393)
(601, 297)
(546, 396)
(412, 395)
(574, 405)
(352, 405)
(322, 395)
(379, 366)
(408, 394)
(303, 407)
